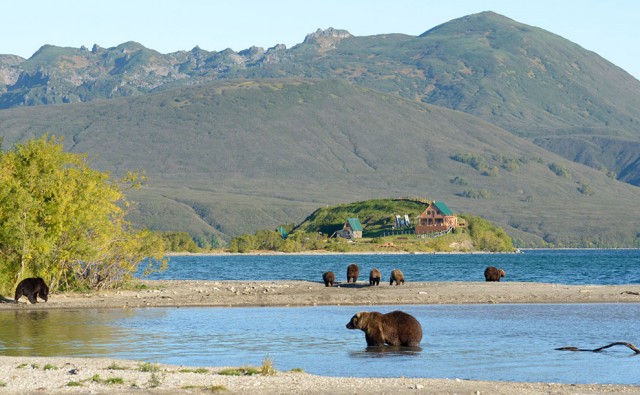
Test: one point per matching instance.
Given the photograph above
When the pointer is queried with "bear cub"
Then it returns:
(395, 329)
(32, 287)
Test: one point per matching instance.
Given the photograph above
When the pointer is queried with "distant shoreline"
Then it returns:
(279, 253)
(318, 252)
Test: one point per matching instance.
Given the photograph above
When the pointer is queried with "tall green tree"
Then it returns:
(65, 222)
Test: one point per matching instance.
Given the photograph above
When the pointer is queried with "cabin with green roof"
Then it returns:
(352, 229)
(437, 217)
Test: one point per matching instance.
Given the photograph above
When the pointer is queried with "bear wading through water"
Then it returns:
(395, 329)
(32, 287)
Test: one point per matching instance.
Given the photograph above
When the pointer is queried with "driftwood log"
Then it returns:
(631, 346)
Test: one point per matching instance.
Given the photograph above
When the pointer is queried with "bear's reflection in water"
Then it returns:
(385, 352)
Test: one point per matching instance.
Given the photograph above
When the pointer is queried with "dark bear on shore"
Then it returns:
(353, 271)
(329, 278)
(374, 277)
(395, 329)
(397, 276)
(32, 287)
(493, 274)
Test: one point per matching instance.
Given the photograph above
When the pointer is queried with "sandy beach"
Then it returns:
(29, 375)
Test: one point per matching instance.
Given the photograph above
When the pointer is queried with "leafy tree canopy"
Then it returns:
(65, 222)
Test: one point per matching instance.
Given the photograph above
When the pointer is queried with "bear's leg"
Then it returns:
(32, 297)
(18, 294)
(42, 295)
(374, 340)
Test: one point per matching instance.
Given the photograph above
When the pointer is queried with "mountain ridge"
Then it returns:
(524, 79)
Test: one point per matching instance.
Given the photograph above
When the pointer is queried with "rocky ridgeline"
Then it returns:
(65, 75)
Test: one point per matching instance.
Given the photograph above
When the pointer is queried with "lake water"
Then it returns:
(549, 266)
(483, 342)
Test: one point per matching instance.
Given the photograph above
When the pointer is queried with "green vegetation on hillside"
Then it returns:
(65, 222)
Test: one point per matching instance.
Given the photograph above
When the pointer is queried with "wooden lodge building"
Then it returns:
(437, 217)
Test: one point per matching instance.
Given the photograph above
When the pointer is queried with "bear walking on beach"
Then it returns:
(374, 277)
(353, 271)
(395, 329)
(397, 276)
(493, 274)
(32, 287)
(329, 278)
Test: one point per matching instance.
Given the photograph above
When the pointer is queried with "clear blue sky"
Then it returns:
(609, 28)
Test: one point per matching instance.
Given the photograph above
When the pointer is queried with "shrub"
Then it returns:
(114, 380)
(486, 236)
(457, 180)
(267, 368)
(65, 222)
(148, 367)
(560, 170)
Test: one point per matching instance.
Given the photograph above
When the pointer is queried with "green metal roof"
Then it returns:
(444, 209)
(355, 224)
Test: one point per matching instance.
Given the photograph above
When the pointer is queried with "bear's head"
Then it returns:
(359, 321)
(502, 273)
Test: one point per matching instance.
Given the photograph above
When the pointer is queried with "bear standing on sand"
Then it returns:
(395, 329)
(329, 278)
(32, 287)
(374, 277)
(397, 276)
(493, 274)
(353, 271)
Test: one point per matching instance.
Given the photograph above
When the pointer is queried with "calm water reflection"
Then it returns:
(485, 342)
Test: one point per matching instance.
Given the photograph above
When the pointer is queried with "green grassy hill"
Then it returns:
(377, 216)
(233, 157)
(379, 234)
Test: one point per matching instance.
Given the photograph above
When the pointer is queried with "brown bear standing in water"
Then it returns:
(353, 271)
(32, 287)
(329, 278)
(493, 274)
(395, 329)
(397, 276)
(374, 277)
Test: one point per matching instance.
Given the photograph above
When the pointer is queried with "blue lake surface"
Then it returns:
(549, 266)
(483, 342)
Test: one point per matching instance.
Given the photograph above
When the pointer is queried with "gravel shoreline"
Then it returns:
(185, 293)
(53, 374)
(61, 375)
